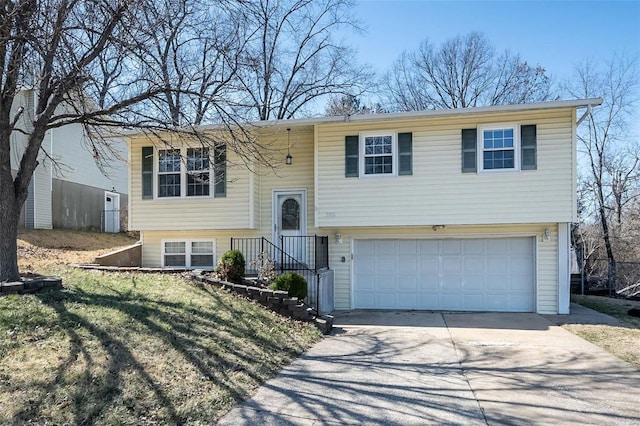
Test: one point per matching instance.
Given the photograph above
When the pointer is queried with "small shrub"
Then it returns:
(291, 282)
(231, 266)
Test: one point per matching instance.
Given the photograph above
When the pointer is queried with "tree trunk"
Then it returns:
(8, 243)
(611, 261)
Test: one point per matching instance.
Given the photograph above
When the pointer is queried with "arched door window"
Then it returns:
(290, 220)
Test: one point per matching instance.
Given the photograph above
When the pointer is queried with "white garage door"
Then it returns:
(493, 274)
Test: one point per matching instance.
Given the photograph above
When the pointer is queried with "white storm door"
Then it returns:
(289, 223)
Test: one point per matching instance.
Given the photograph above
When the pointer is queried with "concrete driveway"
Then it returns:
(456, 368)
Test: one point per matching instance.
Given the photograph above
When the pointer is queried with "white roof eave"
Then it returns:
(300, 122)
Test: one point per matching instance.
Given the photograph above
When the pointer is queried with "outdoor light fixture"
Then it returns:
(339, 238)
(289, 159)
(547, 235)
(436, 227)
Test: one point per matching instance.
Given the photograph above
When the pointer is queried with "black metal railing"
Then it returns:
(292, 254)
(306, 255)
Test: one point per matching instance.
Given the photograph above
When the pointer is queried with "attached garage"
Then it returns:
(483, 274)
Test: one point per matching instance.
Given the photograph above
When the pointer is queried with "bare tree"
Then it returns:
(351, 105)
(463, 72)
(95, 63)
(609, 175)
(293, 57)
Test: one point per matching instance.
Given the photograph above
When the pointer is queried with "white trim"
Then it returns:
(564, 269)
(274, 210)
(187, 248)
(183, 173)
(572, 103)
(252, 212)
(532, 236)
(516, 146)
(315, 175)
(362, 155)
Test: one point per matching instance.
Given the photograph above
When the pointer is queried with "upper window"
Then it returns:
(179, 178)
(198, 172)
(378, 154)
(169, 173)
(499, 148)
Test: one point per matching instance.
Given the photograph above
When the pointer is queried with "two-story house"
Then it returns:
(68, 190)
(463, 209)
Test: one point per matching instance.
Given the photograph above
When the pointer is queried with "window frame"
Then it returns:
(158, 173)
(362, 156)
(198, 172)
(188, 246)
(481, 149)
(184, 173)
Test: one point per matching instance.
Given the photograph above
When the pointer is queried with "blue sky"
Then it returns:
(554, 34)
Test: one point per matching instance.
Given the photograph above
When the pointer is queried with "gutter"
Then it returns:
(300, 122)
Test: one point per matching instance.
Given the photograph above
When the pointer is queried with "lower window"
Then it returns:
(189, 254)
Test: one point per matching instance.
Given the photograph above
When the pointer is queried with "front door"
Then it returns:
(289, 223)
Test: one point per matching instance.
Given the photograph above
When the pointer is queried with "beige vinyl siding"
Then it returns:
(547, 254)
(152, 242)
(438, 192)
(186, 213)
(298, 175)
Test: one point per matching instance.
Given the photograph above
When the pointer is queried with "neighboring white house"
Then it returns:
(76, 194)
(462, 210)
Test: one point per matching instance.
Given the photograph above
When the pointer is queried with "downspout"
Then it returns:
(584, 116)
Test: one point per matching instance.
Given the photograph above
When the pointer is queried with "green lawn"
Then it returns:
(136, 349)
(622, 340)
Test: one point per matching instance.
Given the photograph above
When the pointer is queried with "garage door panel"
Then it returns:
(426, 247)
(456, 274)
(408, 247)
(522, 246)
(429, 265)
(387, 300)
(473, 264)
(496, 265)
(473, 283)
(451, 302)
(521, 265)
(408, 264)
(428, 301)
(407, 301)
(429, 283)
(473, 246)
(451, 246)
(520, 303)
(497, 283)
(451, 265)
(451, 282)
(473, 302)
(408, 282)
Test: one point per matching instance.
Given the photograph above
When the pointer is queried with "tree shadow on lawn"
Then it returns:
(219, 345)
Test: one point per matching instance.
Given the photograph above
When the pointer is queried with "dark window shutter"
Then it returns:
(351, 156)
(147, 172)
(528, 147)
(405, 156)
(469, 147)
(220, 170)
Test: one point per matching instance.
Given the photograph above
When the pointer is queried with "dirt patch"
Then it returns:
(39, 249)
